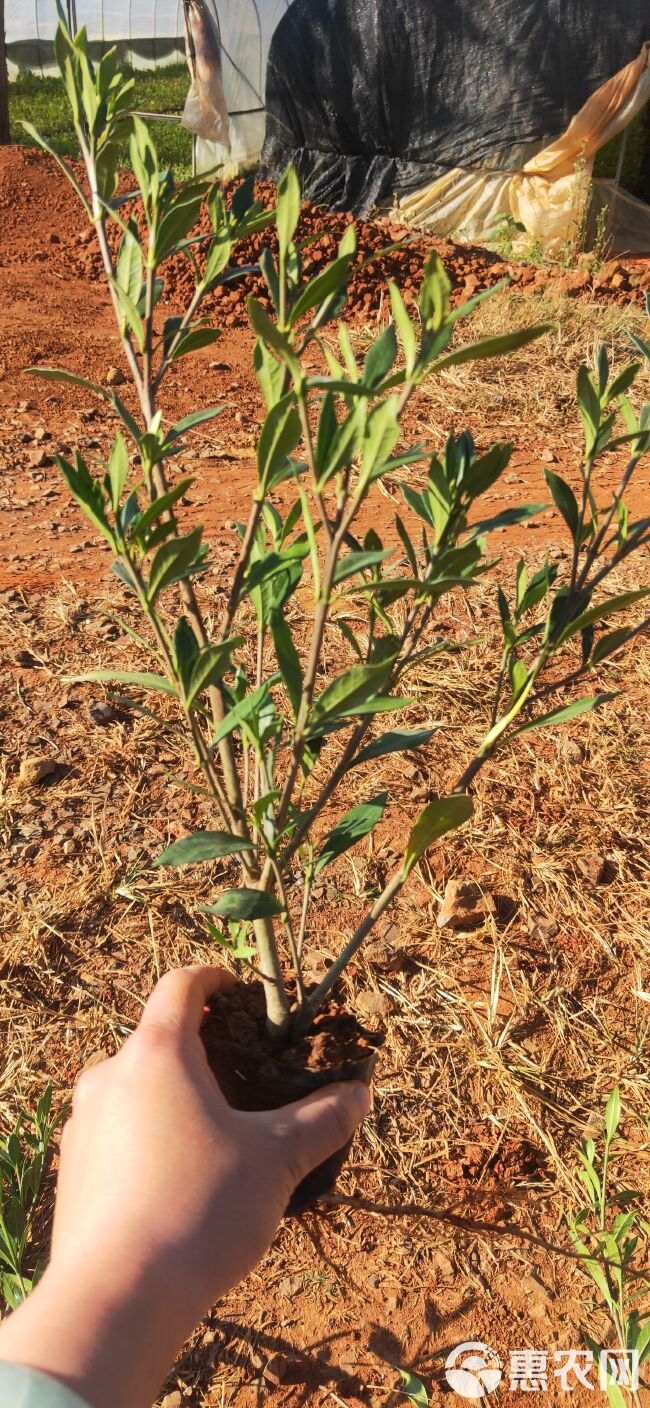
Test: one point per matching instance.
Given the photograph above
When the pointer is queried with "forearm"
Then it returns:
(113, 1349)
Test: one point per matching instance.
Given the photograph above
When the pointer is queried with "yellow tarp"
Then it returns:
(548, 195)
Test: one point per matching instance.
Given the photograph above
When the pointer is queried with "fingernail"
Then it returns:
(361, 1097)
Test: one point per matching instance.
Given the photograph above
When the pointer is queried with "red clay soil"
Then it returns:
(55, 311)
(303, 1329)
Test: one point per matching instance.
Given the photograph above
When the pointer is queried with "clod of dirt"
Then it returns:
(374, 1004)
(34, 770)
(39, 458)
(597, 869)
(573, 751)
(541, 929)
(276, 1368)
(100, 712)
(464, 906)
(115, 377)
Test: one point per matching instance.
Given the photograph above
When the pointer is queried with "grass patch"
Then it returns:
(39, 100)
(635, 175)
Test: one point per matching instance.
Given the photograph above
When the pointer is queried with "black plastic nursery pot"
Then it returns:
(253, 1076)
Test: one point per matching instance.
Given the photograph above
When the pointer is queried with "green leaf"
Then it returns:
(118, 468)
(128, 268)
(613, 1113)
(288, 659)
(380, 357)
(88, 493)
(507, 519)
(381, 433)
(404, 327)
(211, 665)
(186, 649)
(143, 522)
(324, 292)
(265, 328)
(623, 382)
(179, 219)
(487, 469)
(270, 374)
(443, 815)
(131, 319)
(58, 374)
(287, 211)
(279, 436)
(201, 846)
(435, 291)
(358, 562)
(342, 445)
(350, 689)
(188, 422)
(589, 407)
(194, 341)
(413, 1388)
(396, 741)
(173, 562)
(564, 500)
(244, 904)
(244, 709)
(643, 1342)
(492, 346)
(217, 258)
(609, 643)
(134, 677)
(569, 711)
(611, 607)
(356, 824)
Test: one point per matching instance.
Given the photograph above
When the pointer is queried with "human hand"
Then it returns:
(166, 1198)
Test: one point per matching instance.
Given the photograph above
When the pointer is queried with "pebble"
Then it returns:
(115, 377)
(374, 1004)
(34, 770)
(464, 905)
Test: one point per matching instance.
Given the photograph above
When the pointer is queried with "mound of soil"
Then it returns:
(40, 219)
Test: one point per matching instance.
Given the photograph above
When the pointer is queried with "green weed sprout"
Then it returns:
(608, 1233)
(22, 1162)
(274, 743)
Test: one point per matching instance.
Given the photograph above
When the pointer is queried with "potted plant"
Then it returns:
(273, 743)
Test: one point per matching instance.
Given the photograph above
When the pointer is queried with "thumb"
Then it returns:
(316, 1127)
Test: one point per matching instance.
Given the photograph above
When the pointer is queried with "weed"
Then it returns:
(610, 1232)
(22, 1164)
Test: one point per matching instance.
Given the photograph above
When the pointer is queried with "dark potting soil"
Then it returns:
(255, 1075)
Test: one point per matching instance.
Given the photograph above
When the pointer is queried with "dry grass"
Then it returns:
(502, 1045)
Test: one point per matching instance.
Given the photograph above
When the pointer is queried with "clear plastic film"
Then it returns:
(205, 113)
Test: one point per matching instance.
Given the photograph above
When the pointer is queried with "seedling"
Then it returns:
(22, 1162)
(274, 742)
(609, 1232)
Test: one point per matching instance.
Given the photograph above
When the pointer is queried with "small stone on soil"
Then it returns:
(374, 1004)
(34, 770)
(115, 377)
(100, 712)
(276, 1368)
(464, 906)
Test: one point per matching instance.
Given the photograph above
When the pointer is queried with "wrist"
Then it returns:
(109, 1337)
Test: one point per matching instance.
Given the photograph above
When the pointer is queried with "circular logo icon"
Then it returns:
(473, 1370)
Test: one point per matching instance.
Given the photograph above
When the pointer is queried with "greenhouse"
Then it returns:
(459, 115)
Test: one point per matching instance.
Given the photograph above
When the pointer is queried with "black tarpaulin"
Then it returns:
(372, 97)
